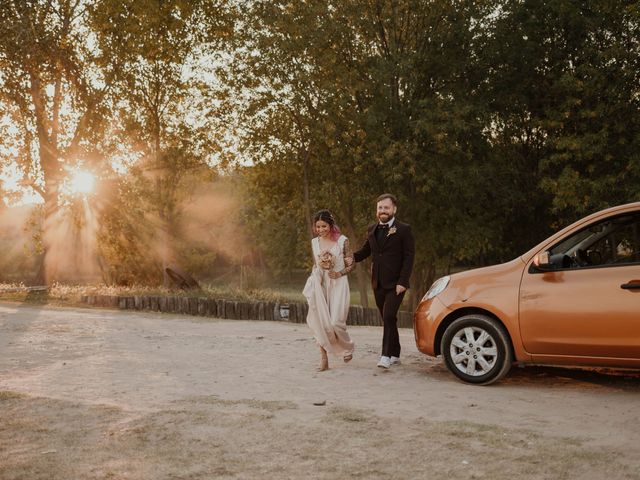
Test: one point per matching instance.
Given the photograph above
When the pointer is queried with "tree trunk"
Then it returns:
(163, 207)
(45, 270)
(361, 275)
(48, 153)
(166, 237)
(305, 189)
(40, 276)
(166, 280)
(363, 281)
(422, 278)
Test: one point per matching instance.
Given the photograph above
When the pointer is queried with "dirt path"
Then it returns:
(96, 394)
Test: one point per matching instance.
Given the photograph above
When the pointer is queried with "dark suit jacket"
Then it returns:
(392, 260)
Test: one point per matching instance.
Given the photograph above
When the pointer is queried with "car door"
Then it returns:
(588, 305)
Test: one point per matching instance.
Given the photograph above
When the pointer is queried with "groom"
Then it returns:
(391, 247)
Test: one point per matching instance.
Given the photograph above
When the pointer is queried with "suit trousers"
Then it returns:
(388, 303)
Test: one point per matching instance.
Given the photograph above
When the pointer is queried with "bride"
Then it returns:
(327, 289)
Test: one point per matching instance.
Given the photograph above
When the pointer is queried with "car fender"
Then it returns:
(494, 290)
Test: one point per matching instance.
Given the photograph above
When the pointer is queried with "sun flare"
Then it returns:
(82, 182)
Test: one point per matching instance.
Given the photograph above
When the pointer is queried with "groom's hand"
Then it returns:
(400, 289)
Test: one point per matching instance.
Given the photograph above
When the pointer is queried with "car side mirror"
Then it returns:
(542, 261)
(546, 262)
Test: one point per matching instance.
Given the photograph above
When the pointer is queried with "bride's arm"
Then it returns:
(347, 253)
(314, 266)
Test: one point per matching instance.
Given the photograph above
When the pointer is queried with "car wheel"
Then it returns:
(476, 348)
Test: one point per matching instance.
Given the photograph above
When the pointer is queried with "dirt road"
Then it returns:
(98, 394)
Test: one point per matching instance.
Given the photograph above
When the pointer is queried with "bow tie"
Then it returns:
(383, 226)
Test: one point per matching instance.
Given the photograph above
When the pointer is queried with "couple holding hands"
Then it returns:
(390, 245)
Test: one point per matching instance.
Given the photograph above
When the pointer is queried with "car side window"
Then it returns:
(614, 241)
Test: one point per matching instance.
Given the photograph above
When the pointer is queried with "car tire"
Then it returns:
(476, 348)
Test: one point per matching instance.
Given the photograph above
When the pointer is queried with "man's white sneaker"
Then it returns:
(385, 362)
(394, 361)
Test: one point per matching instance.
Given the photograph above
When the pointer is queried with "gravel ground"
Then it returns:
(101, 394)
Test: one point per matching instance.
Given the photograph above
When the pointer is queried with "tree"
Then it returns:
(292, 98)
(562, 89)
(380, 96)
(149, 51)
(53, 96)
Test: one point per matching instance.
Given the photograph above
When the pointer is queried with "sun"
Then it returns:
(82, 182)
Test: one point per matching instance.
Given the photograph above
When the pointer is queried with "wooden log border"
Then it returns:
(293, 312)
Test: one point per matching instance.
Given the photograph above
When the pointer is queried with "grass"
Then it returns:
(348, 414)
(206, 437)
(60, 294)
(8, 395)
(63, 294)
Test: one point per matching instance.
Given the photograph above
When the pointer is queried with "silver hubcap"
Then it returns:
(473, 351)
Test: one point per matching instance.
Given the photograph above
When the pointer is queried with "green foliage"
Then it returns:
(52, 95)
(493, 122)
(564, 89)
(127, 245)
(146, 50)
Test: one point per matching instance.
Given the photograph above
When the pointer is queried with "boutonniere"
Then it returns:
(392, 230)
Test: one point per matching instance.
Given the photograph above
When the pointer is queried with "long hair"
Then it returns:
(327, 216)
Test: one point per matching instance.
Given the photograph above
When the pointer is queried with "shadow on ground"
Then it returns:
(628, 380)
(539, 375)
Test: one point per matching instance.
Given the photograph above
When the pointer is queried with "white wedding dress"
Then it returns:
(329, 301)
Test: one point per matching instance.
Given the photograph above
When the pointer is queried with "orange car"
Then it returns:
(574, 299)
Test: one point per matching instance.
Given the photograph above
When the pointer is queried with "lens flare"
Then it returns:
(82, 182)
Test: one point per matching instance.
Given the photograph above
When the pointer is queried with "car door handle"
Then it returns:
(631, 286)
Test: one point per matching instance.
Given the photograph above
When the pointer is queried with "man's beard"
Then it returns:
(384, 217)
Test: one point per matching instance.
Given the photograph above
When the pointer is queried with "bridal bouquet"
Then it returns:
(326, 260)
